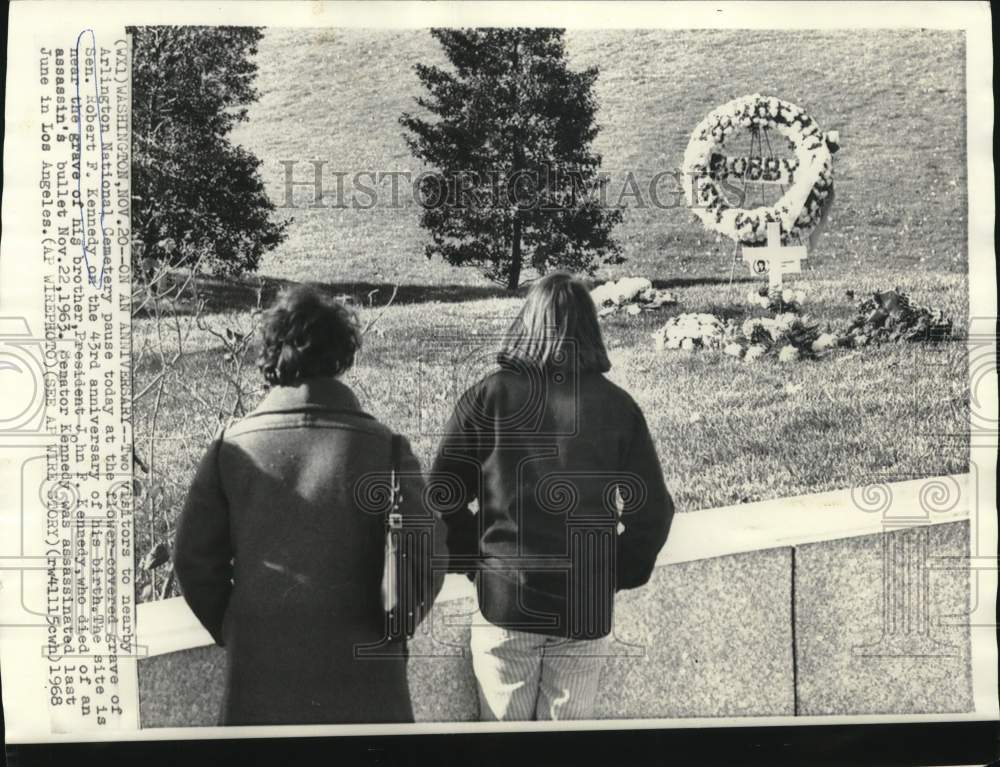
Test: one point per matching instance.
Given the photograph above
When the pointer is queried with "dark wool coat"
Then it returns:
(279, 552)
(572, 506)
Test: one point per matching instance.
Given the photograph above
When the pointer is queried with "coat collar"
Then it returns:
(311, 394)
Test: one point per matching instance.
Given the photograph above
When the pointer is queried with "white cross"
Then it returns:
(774, 258)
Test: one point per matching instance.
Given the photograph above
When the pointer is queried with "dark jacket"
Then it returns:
(558, 462)
(279, 552)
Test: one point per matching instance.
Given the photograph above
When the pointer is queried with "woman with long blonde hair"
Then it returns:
(572, 507)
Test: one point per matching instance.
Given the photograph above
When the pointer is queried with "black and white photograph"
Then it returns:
(486, 372)
(598, 281)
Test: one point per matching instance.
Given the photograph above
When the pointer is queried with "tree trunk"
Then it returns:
(514, 277)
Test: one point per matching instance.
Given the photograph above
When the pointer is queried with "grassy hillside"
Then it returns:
(726, 432)
(897, 98)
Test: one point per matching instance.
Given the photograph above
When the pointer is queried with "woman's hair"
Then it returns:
(557, 325)
(306, 334)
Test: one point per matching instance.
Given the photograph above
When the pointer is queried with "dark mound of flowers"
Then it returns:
(889, 317)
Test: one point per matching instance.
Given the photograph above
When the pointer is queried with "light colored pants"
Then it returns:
(524, 676)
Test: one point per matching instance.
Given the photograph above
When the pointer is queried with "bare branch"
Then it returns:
(377, 317)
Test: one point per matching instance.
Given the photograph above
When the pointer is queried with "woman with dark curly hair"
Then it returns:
(280, 547)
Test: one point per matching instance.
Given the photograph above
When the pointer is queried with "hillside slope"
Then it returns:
(897, 98)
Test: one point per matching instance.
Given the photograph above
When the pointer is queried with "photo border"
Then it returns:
(602, 15)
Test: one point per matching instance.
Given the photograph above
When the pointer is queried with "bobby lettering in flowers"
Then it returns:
(809, 174)
(799, 213)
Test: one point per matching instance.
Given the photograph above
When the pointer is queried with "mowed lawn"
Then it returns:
(727, 432)
(897, 98)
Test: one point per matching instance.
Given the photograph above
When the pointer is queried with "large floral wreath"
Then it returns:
(808, 176)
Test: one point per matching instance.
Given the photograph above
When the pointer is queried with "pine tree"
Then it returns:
(514, 183)
(194, 192)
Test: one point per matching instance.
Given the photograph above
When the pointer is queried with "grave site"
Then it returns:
(791, 313)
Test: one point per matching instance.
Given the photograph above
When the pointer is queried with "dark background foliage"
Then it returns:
(512, 147)
(196, 194)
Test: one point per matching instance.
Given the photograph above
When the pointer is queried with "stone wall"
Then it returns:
(849, 626)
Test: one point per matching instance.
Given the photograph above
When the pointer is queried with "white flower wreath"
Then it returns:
(809, 176)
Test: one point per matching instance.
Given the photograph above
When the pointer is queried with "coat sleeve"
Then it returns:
(203, 555)
(425, 526)
(456, 477)
(647, 512)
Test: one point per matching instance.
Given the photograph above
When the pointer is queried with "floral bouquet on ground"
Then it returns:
(888, 317)
(694, 331)
(779, 301)
(788, 336)
(630, 294)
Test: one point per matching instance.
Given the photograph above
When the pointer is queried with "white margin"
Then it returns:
(18, 292)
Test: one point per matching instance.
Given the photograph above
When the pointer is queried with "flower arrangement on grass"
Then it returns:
(788, 336)
(693, 331)
(631, 294)
(782, 300)
(888, 317)
(808, 177)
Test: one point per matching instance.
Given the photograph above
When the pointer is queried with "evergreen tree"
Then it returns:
(514, 182)
(194, 192)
